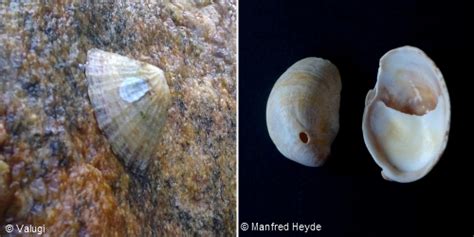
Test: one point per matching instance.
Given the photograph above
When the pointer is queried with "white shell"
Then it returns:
(131, 101)
(407, 115)
(133, 88)
(303, 111)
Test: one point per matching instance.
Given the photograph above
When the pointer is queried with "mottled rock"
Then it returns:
(3, 134)
(56, 164)
(5, 194)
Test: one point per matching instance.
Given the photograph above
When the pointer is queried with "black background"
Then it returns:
(348, 196)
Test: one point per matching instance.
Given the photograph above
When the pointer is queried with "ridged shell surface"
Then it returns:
(303, 111)
(131, 101)
(407, 115)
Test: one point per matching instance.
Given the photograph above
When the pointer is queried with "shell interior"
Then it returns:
(406, 120)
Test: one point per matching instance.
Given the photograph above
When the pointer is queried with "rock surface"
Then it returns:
(56, 167)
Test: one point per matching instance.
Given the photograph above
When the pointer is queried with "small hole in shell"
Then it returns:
(304, 137)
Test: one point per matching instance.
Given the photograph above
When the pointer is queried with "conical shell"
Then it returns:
(303, 111)
(131, 101)
(407, 115)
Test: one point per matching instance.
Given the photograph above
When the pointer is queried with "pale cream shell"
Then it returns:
(131, 101)
(407, 115)
(303, 111)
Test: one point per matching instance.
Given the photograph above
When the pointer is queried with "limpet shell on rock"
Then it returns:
(131, 101)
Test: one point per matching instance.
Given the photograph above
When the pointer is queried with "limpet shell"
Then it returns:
(407, 115)
(131, 101)
(303, 111)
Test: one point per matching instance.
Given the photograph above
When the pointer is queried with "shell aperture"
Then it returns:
(131, 101)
